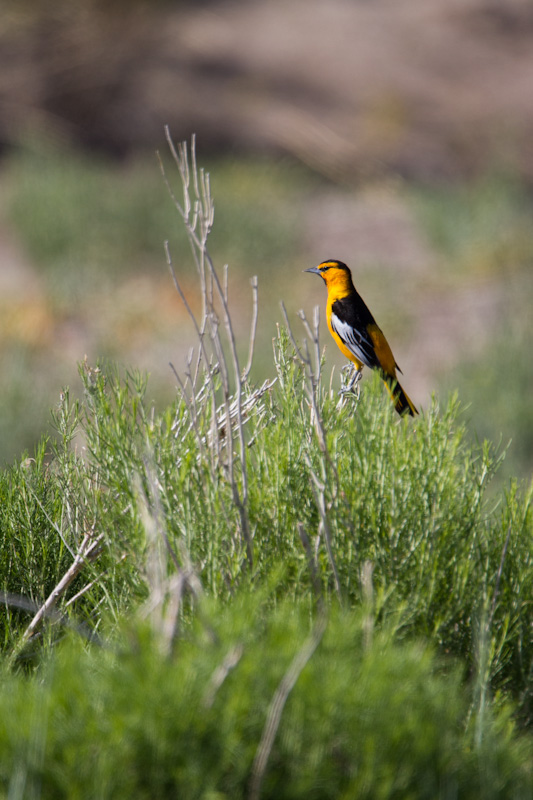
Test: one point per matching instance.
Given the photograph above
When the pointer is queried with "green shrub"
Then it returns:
(199, 552)
(374, 719)
(407, 499)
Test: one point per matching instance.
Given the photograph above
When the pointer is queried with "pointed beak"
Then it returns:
(313, 269)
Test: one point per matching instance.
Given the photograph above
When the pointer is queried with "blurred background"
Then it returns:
(397, 137)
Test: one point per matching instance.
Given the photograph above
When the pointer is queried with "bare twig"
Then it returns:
(350, 386)
(326, 466)
(52, 523)
(52, 614)
(312, 373)
(278, 704)
(240, 502)
(313, 566)
(166, 590)
(291, 335)
(253, 329)
(319, 491)
(88, 551)
(199, 332)
(92, 583)
(221, 673)
(197, 212)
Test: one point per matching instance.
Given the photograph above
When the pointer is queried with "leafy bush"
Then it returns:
(286, 594)
(367, 718)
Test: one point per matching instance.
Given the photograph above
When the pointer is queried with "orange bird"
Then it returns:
(356, 332)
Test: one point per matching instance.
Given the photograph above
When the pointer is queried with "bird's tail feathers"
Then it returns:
(402, 403)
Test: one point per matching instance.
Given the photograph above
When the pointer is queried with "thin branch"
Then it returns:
(291, 335)
(221, 673)
(313, 566)
(278, 704)
(92, 583)
(241, 503)
(198, 228)
(319, 491)
(312, 375)
(199, 332)
(253, 329)
(314, 337)
(318, 485)
(170, 190)
(52, 523)
(88, 551)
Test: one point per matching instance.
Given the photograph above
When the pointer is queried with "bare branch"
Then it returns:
(313, 566)
(278, 704)
(326, 466)
(253, 329)
(228, 418)
(221, 673)
(88, 551)
(319, 491)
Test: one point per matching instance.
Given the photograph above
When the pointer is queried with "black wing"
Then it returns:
(350, 319)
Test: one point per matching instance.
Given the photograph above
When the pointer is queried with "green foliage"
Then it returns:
(367, 718)
(373, 713)
(198, 557)
(408, 499)
(32, 554)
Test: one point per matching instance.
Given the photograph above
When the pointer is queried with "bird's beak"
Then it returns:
(313, 269)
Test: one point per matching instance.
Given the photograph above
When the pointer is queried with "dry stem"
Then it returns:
(88, 551)
(278, 704)
(197, 213)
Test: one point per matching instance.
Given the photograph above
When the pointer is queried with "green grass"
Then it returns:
(421, 663)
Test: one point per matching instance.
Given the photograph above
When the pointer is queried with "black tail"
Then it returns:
(402, 403)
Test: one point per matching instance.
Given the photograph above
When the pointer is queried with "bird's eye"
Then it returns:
(324, 269)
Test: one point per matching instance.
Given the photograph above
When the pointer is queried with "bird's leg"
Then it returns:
(353, 383)
(354, 380)
(344, 370)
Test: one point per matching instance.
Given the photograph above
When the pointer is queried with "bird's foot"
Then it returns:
(352, 386)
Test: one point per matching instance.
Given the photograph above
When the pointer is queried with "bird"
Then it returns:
(357, 334)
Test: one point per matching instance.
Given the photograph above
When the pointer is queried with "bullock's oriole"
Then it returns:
(356, 333)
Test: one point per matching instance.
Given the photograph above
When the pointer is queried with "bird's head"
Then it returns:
(333, 273)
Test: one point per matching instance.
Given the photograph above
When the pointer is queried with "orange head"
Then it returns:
(336, 275)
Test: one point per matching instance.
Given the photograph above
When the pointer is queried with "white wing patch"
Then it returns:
(358, 343)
